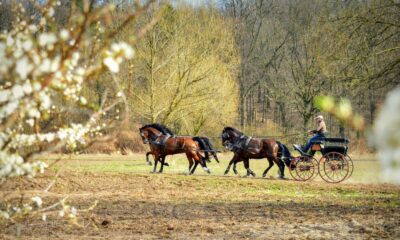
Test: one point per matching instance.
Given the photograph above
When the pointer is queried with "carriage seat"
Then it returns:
(339, 149)
(332, 141)
(337, 140)
(327, 145)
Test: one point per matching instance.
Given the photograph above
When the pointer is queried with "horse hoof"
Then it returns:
(149, 163)
(264, 175)
(225, 173)
(253, 174)
(166, 164)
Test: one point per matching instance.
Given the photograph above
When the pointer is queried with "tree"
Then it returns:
(43, 68)
(185, 70)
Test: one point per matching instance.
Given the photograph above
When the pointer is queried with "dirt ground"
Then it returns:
(175, 206)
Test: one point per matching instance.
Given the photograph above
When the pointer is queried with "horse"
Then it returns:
(204, 144)
(165, 131)
(246, 148)
(284, 155)
(163, 145)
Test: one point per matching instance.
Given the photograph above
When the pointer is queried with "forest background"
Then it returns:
(257, 65)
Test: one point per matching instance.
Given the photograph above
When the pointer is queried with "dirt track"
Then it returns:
(146, 206)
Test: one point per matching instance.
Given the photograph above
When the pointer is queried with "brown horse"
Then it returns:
(204, 144)
(246, 148)
(163, 145)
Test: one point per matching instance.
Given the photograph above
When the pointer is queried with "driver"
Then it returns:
(319, 132)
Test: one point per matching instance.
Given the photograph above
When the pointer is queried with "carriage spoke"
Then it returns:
(335, 167)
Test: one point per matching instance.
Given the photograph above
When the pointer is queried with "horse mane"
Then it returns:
(233, 130)
(163, 129)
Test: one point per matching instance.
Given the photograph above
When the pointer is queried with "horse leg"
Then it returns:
(205, 168)
(209, 146)
(190, 162)
(282, 170)
(271, 163)
(246, 163)
(197, 157)
(156, 159)
(281, 166)
(147, 159)
(234, 168)
(162, 164)
(215, 157)
(194, 168)
(230, 164)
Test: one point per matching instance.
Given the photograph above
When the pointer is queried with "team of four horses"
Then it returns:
(334, 166)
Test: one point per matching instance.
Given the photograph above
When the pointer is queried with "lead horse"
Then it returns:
(204, 144)
(163, 145)
(246, 148)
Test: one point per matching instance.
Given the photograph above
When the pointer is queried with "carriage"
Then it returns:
(333, 167)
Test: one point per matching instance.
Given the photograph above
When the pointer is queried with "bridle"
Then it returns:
(151, 136)
(230, 143)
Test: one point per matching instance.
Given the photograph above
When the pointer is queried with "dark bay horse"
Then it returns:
(204, 144)
(246, 148)
(163, 145)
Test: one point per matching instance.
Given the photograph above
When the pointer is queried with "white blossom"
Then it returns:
(111, 64)
(34, 113)
(387, 137)
(27, 88)
(45, 100)
(27, 45)
(34, 77)
(83, 100)
(4, 215)
(10, 41)
(17, 92)
(4, 95)
(61, 213)
(74, 211)
(23, 67)
(47, 39)
(38, 201)
(64, 34)
(30, 122)
(50, 12)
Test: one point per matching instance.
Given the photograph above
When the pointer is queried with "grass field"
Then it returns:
(367, 168)
(134, 204)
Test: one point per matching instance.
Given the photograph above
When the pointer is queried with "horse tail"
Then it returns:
(284, 154)
(202, 146)
(210, 148)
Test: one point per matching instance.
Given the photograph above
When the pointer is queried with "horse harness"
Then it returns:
(243, 143)
(162, 142)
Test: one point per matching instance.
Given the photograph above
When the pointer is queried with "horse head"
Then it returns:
(230, 136)
(149, 134)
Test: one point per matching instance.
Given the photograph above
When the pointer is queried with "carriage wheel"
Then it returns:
(333, 167)
(304, 168)
(292, 169)
(351, 166)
